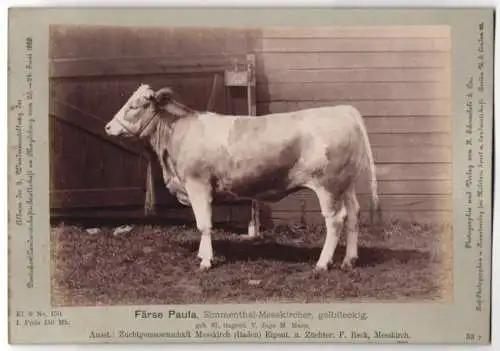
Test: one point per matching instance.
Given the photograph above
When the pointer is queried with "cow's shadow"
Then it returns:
(259, 249)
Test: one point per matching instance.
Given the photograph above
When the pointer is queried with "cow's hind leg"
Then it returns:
(200, 199)
(334, 213)
(352, 207)
(254, 223)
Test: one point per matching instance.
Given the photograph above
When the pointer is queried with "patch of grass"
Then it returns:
(158, 265)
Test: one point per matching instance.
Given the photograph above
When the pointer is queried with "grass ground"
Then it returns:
(158, 265)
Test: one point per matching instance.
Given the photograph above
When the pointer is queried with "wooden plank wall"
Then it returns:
(399, 78)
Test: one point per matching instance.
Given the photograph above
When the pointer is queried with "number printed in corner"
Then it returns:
(472, 337)
(40, 318)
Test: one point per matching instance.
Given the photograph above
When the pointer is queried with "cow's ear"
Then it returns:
(163, 96)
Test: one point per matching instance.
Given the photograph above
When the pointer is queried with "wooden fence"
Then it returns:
(398, 77)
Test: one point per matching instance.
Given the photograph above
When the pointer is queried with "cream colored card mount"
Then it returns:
(250, 175)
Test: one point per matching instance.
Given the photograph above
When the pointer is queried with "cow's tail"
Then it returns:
(375, 211)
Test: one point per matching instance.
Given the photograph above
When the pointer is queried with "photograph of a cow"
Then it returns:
(266, 158)
(329, 180)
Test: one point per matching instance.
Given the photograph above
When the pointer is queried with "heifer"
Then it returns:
(266, 158)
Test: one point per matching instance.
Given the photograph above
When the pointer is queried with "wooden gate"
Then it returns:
(93, 175)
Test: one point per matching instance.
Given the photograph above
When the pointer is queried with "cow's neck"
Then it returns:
(159, 136)
(163, 127)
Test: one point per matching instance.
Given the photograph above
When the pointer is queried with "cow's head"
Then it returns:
(139, 111)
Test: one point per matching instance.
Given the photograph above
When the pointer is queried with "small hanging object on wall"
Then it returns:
(239, 74)
(243, 75)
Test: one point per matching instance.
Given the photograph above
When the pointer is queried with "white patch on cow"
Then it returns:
(224, 126)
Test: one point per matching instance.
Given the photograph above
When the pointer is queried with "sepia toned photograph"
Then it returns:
(253, 175)
(289, 164)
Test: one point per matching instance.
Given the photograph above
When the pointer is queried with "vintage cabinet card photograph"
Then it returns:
(261, 175)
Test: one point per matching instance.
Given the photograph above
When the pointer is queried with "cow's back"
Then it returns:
(269, 154)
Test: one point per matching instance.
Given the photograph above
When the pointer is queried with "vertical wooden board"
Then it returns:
(83, 95)
(69, 92)
(55, 152)
(135, 167)
(71, 161)
(103, 100)
(109, 173)
(101, 160)
(188, 93)
(97, 168)
(94, 104)
(238, 100)
(205, 86)
(85, 166)
(58, 177)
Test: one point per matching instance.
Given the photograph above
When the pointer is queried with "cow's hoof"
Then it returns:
(205, 265)
(348, 264)
(321, 268)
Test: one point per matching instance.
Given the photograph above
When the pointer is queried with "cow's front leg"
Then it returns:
(200, 198)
